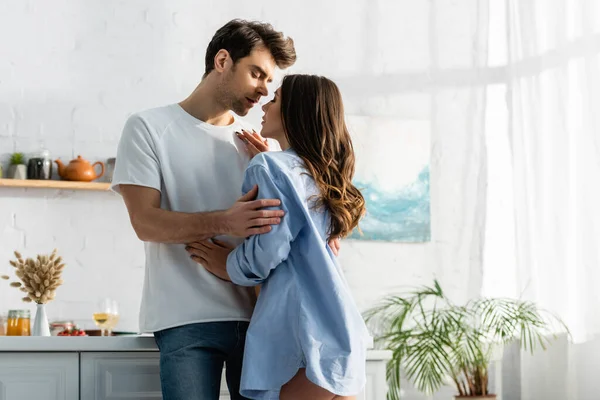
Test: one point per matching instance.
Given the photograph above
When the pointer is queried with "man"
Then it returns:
(179, 170)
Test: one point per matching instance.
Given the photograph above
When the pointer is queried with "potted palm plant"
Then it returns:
(435, 342)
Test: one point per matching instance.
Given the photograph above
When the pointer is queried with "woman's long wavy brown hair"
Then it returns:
(312, 112)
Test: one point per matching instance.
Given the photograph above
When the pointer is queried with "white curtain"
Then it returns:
(543, 242)
(554, 92)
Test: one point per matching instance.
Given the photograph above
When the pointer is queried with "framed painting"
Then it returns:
(392, 172)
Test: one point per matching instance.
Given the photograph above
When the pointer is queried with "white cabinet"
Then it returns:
(224, 395)
(376, 386)
(136, 375)
(124, 375)
(56, 368)
(36, 376)
(120, 375)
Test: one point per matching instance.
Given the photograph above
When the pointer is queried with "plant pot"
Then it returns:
(488, 397)
(40, 324)
(17, 171)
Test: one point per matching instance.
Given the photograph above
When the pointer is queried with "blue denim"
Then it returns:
(192, 358)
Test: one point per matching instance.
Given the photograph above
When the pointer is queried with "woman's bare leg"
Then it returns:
(300, 388)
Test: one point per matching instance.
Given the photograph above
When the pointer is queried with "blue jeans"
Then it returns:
(192, 358)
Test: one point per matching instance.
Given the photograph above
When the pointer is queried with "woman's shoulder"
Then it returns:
(284, 167)
(274, 161)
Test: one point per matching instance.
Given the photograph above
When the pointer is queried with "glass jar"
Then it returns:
(57, 327)
(24, 323)
(3, 321)
(11, 323)
(40, 165)
(19, 323)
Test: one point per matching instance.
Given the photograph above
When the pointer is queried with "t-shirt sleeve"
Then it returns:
(136, 162)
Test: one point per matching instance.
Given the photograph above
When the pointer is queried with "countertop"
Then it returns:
(76, 343)
(100, 344)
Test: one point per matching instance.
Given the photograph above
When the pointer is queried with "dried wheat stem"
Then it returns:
(40, 276)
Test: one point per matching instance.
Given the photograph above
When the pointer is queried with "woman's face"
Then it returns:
(272, 125)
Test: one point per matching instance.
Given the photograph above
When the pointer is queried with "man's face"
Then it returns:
(246, 82)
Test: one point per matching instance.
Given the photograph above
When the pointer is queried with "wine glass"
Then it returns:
(101, 314)
(113, 316)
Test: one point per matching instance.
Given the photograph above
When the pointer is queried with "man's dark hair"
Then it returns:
(240, 37)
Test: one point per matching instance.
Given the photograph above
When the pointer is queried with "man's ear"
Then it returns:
(222, 60)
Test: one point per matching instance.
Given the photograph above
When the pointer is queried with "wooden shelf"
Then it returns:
(53, 184)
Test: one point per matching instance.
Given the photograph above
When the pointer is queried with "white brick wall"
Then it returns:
(93, 234)
(71, 71)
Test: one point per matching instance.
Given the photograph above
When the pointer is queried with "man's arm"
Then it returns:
(153, 224)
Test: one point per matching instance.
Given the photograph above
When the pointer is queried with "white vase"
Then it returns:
(17, 171)
(40, 324)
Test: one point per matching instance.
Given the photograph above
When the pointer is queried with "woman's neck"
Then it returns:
(283, 143)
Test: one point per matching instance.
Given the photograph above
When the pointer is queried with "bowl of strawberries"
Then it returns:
(72, 331)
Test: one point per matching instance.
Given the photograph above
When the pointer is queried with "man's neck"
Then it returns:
(202, 104)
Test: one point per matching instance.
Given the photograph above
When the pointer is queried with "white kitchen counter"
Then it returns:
(76, 343)
(98, 368)
(99, 344)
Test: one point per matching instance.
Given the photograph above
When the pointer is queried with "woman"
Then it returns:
(307, 339)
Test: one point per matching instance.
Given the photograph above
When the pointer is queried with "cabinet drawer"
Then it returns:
(134, 375)
(35, 376)
(120, 375)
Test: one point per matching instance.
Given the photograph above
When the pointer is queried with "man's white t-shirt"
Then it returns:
(197, 167)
